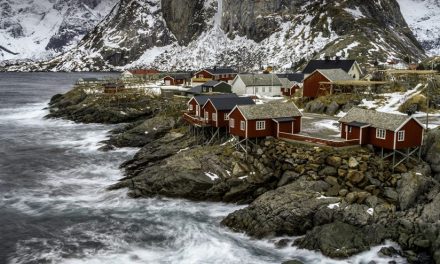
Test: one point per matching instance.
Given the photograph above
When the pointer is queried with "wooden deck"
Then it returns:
(319, 141)
(195, 120)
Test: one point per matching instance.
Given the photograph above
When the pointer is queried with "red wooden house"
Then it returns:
(288, 87)
(216, 73)
(177, 79)
(384, 130)
(312, 87)
(264, 120)
(195, 113)
(216, 109)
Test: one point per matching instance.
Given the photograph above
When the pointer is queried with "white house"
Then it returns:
(257, 84)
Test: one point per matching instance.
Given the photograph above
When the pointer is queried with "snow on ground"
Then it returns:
(327, 124)
(423, 17)
(212, 176)
(356, 13)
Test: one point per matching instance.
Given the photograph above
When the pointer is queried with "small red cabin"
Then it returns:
(217, 74)
(264, 120)
(216, 109)
(312, 84)
(177, 79)
(195, 114)
(384, 130)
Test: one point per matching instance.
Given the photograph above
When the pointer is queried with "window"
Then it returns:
(380, 133)
(270, 89)
(401, 135)
(261, 125)
(210, 89)
(242, 125)
(206, 116)
(204, 89)
(263, 89)
(256, 89)
(214, 117)
(350, 129)
(232, 122)
(226, 116)
(191, 107)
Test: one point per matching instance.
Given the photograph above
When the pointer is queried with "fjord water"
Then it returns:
(54, 207)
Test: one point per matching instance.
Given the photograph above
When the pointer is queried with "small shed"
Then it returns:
(383, 130)
(264, 120)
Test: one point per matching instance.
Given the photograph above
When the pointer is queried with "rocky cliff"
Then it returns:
(245, 34)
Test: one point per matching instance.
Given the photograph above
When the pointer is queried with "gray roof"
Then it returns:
(374, 118)
(227, 104)
(285, 83)
(260, 79)
(328, 64)
(202, 99)
(269, 110)
(336, 75)
(220, 70)
(293, 77)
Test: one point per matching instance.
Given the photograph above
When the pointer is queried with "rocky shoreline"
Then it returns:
(339, 201)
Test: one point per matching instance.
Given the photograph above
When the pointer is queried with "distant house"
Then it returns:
(384, 130)
(216, 74)
(177, 79)
(257, 84)
(264, 120)
(313, 86)
(211, 87)
(349, 66)
(216, 109)
(291, 82)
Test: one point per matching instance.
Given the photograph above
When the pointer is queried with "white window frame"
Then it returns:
(350, 129)
(401, 136)
(270, 89)
(210, 89)
(231, 122)
(206, 116)
(260, 125)
(263, 89)
(242, 125)
(214, 117)
(381, 133)
(191, 107)
(204, 89)
(226, 116)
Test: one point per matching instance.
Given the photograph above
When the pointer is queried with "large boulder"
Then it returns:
(336, 240)
(288, 210)
(412, 185)
(431, 151)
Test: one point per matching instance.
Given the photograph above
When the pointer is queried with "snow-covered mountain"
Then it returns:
(40, 29)
(190, 34)
(423, 17)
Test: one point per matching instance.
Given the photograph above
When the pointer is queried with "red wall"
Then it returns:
(210, 109)
(204, 74)
(413, 135)
(237, 116)
(311, 84)
(224, 77)
(270, 130)
(173, 81)
(194, 104)
(387, 143)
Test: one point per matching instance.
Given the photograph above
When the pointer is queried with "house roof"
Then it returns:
(213, 83)
(374, 118)
(227, 104)
(314, 65)
(260, 79)
(293, 77)
(285, 83)
(202, 99)
(335, 75)
(218, 70)
(269, 111)
(195, 90)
